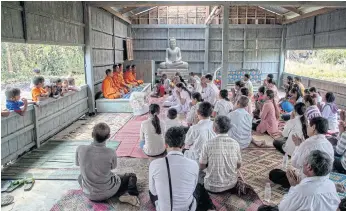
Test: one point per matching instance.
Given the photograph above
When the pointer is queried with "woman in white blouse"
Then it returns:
(184, 98)
(297, 125)
(152, 133)
(330, 112)
(223, 106)
(191, 117)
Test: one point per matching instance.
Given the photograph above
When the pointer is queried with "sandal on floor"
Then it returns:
(127, 198)
(6, 199)
(28, 184)
(14, 185)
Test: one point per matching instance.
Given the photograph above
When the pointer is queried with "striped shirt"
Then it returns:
(312, 111)
(341, 148)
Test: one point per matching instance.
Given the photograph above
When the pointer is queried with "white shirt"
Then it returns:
(222, 154)
(311, 194)
(166, 84)
(209, 94)
(241, 127)
(172, 123)
(191, 117)
(249, 86)
(292, 127)
(216, 90)
(316, 142)
(223, 107)
(154, 143)
(197, 78)
(331, 117)
(196, 136)
(184, 178)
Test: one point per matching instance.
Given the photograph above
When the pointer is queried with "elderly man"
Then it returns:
(221, 158)
(316, 192)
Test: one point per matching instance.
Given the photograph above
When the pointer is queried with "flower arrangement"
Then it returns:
(217, 82)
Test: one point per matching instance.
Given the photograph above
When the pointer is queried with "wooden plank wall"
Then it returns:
(11, 21)
(323, 87)
(20, 133)
(108, 33)
(322, 31)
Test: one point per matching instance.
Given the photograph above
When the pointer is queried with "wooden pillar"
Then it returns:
(89, 72)
(225, 46)
(282, 56)
(206, 51)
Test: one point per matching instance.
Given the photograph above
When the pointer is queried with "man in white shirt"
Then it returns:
(209, 92)
(248, 83)
(172, 120)
(221, 158)
(241, 123)
(199, 133)
(174, 178)
(316, 192)
(317, 141)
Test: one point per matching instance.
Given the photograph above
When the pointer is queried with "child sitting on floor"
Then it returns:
(192, 117)
(97, 180)
(172, 120)
(159, 90)
(152, 133)
(37, 92)
(223, 106)
(259, 101)
(14, 103)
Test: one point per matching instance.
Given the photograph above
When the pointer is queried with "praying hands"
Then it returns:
(292, 177)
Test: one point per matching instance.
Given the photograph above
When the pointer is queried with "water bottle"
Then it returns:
(285, 162)
(267, 192)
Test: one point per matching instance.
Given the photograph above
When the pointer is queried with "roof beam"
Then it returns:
(127, 9)
(294, 9)
(109, 9)
(216, 11)
(207, 3)
(308, 15)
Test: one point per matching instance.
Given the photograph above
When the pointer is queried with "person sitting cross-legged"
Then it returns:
(340, 150)
(317, 140)
(173, 179)
(316, 192)
(97, 180)
(221, 157)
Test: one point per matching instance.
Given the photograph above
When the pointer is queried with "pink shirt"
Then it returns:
(269, 122)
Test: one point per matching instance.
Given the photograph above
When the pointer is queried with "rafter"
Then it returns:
(294, 9)
(216, 11)
(127, 9)
(308, 15)
(109, 9)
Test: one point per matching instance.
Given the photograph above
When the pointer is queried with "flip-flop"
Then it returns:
(14, 185)
(28, 184)
(6, 199)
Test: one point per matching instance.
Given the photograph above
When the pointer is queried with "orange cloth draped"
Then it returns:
(119, 79)
(128, 77)
(138, 81)
(109, 90)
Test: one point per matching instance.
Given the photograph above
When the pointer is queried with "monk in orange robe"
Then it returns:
(134, 76)
(128, 76)
(109, 90)
(118, 74)
(116, 80)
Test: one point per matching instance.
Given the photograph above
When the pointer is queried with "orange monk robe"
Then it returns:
(109, 90)
(118, 77)
(135, 76)
(128, 77)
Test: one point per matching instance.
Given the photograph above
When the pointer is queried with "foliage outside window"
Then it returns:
(326, 64)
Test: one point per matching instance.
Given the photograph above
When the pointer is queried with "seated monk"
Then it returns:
(133, 67)
(121, 78)
(128, 76)
(116, 80)
(109, 90)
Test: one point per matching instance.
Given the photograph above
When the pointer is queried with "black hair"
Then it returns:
(154, 110)
(101, 132)
(209, 77)
(133, 65)
(224, 94)
(243, 101)
(247, 75)
(128, 67)
(197, 96)
(37, 80)
(296, 89)
(270, 76)
(108, 71)
(321, 124)
(205, 109)
(297, 78)
(175, 136)
(11, 93)
(330, 98)
(240, 84)
(270, 94)
(267, 208)
(313, 89)
(289, 78)
(172, 113)
(262, 89)
(271, 81)
(192, 73)
(115, 66)
(157, 82)
(222, 124)
(58, 80)
(300, 109)
(181, 85)
(306, 91)
(310, 99)
(342, 205)
(244, 91)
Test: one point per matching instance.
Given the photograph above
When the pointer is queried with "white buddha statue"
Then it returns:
(173, 57)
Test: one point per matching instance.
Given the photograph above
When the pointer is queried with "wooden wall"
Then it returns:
(20, 133)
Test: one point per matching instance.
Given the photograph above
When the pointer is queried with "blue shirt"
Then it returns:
(14, 105)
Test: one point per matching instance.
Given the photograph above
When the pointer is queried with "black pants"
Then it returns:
(278, 144)
(278, 176)
(128, 184)
(201, 195)
(267, 207)
(338, 166)
(254, 125)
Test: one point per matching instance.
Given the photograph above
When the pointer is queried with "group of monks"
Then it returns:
(117, 83)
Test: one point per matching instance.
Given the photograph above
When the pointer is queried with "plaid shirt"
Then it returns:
(222, 154)
(341, 148)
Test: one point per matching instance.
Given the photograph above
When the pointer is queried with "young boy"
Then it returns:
(58, 83)
(37, 92)
(13, 102)
(172, 120)
(72, 85)
(159, 90)
(96, 162)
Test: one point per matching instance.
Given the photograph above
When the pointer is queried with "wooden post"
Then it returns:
(206, 50)
(89, 70)
(282, 56)
(225, 46)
